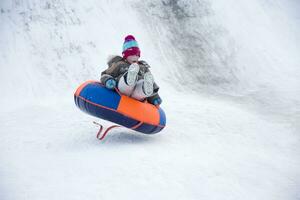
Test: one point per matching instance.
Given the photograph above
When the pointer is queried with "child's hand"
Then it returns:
(110, 84)
(157, 101)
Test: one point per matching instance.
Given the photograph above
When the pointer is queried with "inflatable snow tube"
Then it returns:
(93, 98)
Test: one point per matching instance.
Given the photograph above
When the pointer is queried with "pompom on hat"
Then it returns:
(130, 47)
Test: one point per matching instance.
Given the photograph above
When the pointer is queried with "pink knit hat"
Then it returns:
(130, 47)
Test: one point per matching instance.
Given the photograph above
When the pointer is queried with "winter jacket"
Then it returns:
(117, 66)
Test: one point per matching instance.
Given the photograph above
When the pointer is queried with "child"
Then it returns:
(131, 76)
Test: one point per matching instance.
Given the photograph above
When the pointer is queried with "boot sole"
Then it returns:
(132, 74)
(148, 84)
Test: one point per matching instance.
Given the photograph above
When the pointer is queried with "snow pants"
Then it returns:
(135, 91)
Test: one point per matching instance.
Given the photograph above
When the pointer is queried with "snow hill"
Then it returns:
(229, 77)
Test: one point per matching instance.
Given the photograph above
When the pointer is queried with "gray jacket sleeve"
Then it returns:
(112, 71)
(153, 97)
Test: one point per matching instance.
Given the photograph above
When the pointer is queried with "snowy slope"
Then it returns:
(232, 128)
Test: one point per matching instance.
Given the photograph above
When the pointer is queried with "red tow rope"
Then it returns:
(98, 136)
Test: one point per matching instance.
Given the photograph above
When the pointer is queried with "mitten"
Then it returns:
(110, 84)
(157, 101)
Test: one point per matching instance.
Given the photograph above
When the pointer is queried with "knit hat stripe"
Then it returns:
(130, 44)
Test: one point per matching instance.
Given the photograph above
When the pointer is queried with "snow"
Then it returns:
(232, 136)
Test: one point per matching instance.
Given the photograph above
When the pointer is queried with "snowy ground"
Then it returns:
(217, 145)
(217, 150)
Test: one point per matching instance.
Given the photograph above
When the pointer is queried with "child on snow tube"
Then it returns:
(131, 76)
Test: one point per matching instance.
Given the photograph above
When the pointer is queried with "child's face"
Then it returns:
(133, 59)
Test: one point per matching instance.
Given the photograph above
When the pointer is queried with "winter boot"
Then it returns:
(132, 73)
(148, 84)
